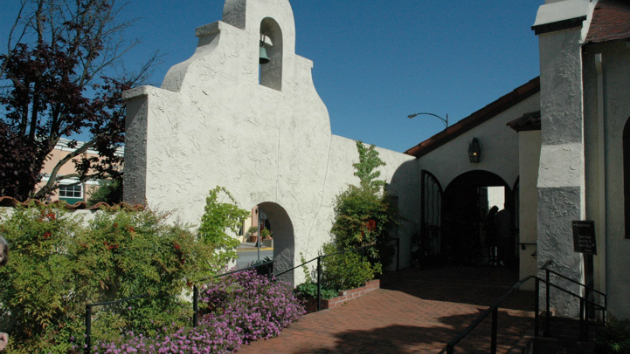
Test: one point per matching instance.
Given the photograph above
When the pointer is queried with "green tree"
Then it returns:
(62, 75)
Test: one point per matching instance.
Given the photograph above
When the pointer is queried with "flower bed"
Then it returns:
(344, 296)
(239, 308)
(347, 295)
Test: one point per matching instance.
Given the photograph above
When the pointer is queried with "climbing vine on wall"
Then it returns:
(222, 214)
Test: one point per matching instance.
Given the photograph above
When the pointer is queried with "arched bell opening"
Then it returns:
(270, 50)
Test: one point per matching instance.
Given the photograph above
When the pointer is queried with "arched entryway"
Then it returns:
(279, 222)
(466, 202)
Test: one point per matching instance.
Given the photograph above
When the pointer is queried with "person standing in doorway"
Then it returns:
(490, 236)
(503, 222)
(4, 259)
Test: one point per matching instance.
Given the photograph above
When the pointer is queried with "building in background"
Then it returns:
(70, 189)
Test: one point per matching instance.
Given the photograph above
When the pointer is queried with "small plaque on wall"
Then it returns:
(584, 237)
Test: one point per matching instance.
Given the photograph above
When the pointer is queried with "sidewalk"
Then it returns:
(251, 246)
(418, 312)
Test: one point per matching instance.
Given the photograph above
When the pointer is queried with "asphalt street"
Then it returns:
(247, 256)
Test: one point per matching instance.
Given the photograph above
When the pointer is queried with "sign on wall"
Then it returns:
(584, 237)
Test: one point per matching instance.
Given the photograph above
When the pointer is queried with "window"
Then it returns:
(71, 191)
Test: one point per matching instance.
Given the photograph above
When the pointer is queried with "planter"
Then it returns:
(253, 238)
(268, 243)
(344, 296)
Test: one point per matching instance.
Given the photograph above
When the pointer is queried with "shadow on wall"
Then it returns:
(405, 185)
(283, 239)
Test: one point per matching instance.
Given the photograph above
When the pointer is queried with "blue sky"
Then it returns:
(375, 61)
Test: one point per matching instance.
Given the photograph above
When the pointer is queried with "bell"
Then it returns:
(263, 58)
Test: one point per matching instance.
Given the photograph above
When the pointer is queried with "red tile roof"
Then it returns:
(611, 21)
(477, 118)
(12, 202)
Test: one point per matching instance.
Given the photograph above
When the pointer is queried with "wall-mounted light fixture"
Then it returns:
(474, 151)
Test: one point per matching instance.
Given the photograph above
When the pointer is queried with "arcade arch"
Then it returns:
(278, 221)
(453, 219)
(467, 201)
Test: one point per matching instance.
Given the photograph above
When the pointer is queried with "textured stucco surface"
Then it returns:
(529, 158)
(561, 87)
(614, 248)
(212, 123)
(499, 148)
(557, 208)
(561, 175)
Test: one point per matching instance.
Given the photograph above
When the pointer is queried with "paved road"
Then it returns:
(247, 256)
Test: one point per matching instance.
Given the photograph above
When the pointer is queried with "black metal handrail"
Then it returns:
(545, 267)
(494, 310)
(195, 319)
(319, 267)
(88, 307)
(88, 318)
(196, 289)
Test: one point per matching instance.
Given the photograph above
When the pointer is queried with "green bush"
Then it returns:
(365, 213)
(58, 265)
(615, 338)
(309, 290)
(108, 191)
(346, 270)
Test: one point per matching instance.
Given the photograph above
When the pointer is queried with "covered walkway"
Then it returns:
(416, 311)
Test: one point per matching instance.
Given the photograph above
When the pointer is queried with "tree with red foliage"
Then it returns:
(59, 80)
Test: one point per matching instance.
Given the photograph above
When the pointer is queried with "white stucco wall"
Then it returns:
(612, 261)
(529, 157)
(499, 148)
(212, 123)
(561, 175)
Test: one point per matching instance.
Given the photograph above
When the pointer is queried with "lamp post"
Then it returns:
(444, 120)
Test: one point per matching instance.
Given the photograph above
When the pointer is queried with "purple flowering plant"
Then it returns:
(253, 305)
(239, 308)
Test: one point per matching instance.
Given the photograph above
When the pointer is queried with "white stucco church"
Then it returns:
(557, 148)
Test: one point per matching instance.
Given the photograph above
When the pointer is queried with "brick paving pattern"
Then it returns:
(417, 311)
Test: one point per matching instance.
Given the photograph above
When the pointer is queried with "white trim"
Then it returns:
(561, 11)
(81, 191)
(62, 145)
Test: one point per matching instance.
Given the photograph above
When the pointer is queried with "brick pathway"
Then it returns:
(415, 312)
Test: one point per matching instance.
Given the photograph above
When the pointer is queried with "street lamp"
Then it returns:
(445, 121)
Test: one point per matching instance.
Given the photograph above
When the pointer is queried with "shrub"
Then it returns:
(364, 214)
(346, 270)
(309, 291)
(615, 338)
(108, 191)
(58, 265)
(251, 305)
